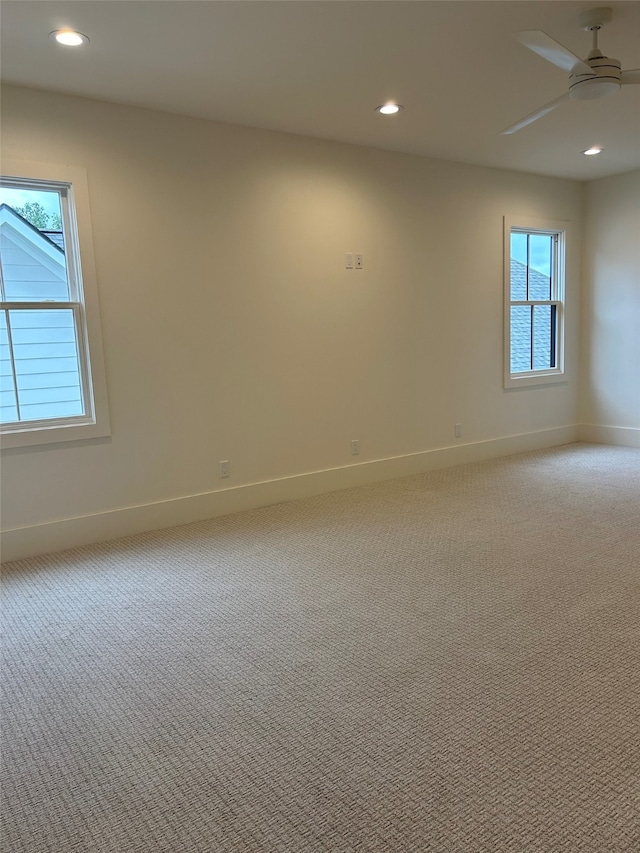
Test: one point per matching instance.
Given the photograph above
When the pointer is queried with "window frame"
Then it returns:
(560, 230)
(83, 301)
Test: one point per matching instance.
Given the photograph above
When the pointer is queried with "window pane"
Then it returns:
(32, 245)
(544, 334)
(540, 249)
(8, 408)
(518, 266)
(46, 362)
(520, 338)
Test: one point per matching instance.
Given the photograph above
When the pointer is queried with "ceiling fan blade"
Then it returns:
(552, 51)
(536, 115)
(632, 76)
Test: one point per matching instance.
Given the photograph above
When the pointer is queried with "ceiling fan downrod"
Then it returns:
(605, 72)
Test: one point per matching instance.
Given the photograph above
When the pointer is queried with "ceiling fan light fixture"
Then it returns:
(389, 109)
(69, 38)
(595, 149)
(594, 77)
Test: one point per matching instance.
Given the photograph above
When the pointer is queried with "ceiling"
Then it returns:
(320, 68)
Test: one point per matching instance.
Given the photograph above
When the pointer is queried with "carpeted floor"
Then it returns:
(448, 662)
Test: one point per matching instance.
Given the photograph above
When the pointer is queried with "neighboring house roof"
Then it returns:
(537, 280)
(56, 237)
(25, 248)
(9, 215)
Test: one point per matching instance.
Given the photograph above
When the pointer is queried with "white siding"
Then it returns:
(26, 277)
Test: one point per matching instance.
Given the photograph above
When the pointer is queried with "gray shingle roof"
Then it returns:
(538, 282)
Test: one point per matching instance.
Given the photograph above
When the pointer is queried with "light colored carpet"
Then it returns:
(448, 662)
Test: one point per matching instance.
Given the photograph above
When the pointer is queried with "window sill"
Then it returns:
(52, 434)
(535, 379)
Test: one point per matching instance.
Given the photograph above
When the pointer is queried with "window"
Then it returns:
(52, 385)
(534, 302)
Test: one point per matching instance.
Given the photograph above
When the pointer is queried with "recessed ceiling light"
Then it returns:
(389, 109)
(69, 38)
(593, 150)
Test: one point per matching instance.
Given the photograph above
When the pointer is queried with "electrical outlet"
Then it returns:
(355, 446)
(458, 430)
(348, 261)
(224, 469)
(358, 260)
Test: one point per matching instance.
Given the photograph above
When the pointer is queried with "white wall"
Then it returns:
(610, 399)
(233, 331)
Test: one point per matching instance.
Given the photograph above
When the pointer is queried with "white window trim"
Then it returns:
(97, 425)
(556, 374)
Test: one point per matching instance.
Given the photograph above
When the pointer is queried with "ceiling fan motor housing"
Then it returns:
(604, 77)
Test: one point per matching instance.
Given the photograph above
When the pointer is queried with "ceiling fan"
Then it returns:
(593, 77)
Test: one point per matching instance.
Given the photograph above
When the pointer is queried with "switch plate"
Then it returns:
(458, 430)
(225, 469)
(355, 446)
(358, 262)
(348, 261)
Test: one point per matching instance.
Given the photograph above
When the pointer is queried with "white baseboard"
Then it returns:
(599, 434)
(33, 540)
